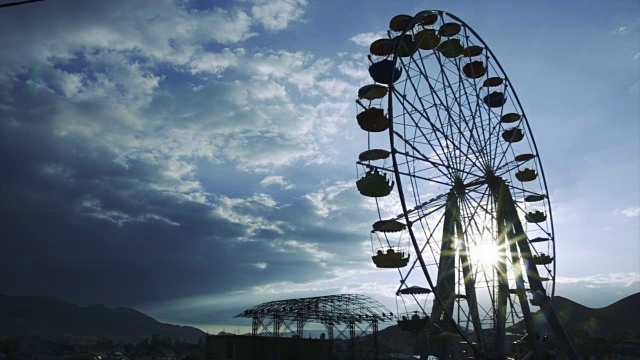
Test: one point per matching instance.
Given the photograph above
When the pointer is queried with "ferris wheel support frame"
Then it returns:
(537, 289)
(469, 280)
(506, 223)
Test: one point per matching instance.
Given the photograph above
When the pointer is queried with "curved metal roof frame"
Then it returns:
(330, 310)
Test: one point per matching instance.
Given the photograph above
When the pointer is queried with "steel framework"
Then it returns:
(345, 316)
(469, 179)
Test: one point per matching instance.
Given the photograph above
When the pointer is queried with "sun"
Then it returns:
(485, 253)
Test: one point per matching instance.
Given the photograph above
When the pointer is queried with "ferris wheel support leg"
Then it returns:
(445, 284)
(503, 281)
(535, 283)
(469, 280)
(522, 295)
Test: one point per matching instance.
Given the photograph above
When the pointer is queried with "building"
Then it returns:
(238, 347)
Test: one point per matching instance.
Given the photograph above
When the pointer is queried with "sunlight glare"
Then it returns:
(485, 253)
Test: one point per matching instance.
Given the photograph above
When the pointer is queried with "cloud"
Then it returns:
(626, 28)
(621, 30)
(213, 63)
(277, 180)
(598, 290)
(158, 30)
(323, 200)
(625, 279)
(260, 265)
(129, 138)
(631, 212)
(275, 15)
(365, 39)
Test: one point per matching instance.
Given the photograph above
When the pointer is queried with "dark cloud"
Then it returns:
(115, 187)
(81, 224)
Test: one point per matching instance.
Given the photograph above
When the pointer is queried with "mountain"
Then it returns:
(619, 318)
(53, 318)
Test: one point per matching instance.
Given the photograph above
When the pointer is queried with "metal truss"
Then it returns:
(345, 317)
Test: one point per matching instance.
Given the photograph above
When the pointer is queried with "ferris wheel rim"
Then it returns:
(399, 181)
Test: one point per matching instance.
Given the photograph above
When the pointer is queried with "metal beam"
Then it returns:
(521, 292)
(500, 316)
(469, 280)
(446, 282)
(537, 289)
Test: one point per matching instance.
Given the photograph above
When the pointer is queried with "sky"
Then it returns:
(191, 159)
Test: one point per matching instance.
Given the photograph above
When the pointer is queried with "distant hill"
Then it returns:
(53, 318)
(621, 317)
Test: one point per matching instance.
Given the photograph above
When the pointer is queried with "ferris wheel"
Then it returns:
(458, 181)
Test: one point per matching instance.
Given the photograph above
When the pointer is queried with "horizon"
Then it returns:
(190, 159)
(314, 327)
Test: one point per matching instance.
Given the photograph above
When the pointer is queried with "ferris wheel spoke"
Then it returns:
(468, 277)
(473, 215)
(433, 202)
(424, 157)
(504, 150)
(423, 74)
(535, 224)
(455, 99)
(427, 133)
(424, 114)
(506, 168)
(476, 112)
(436, 165)
(445, 136)
(448, 108)
(424, 246)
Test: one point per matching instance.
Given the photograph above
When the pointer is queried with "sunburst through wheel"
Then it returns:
(446, 126)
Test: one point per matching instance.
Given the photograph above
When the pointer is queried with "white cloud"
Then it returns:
(277, 180)
(214, 63)
(312, 250)
(365, 39)
(225, 27)
(322, 200)
(260, 265)
(631, 212)
(358, 279)
(355, 70)
(275, 15)
(626, 28)
(625, 279)
(636, 56)
(621, 30)
(256, 214)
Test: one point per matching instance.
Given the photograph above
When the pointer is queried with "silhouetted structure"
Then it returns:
(465, 168)
(345, 316)
(237, 347)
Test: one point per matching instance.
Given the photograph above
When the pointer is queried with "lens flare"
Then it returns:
(485, 253)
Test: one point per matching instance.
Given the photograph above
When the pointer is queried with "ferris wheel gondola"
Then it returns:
(413, 320)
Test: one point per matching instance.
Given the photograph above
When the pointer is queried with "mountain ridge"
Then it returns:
(620, 317)
(51, 317)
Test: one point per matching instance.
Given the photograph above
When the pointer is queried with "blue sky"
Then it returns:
(194, 158)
